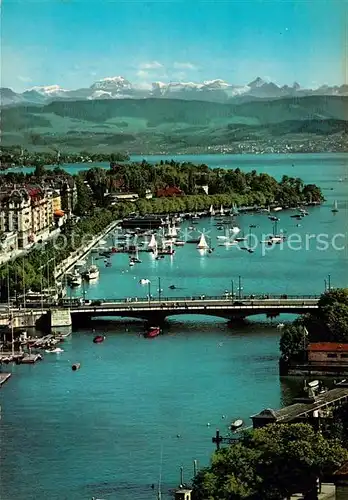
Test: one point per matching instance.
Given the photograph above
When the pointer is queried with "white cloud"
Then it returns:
(151, 65)
(24, 79)
(143, 74)
(184, 65)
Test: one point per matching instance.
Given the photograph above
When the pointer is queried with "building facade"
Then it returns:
(41, 212)
(328, 354)
(15, 215)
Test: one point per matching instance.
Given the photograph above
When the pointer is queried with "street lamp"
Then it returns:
(159, 289)
(149, 290)
(232, 289)
(240, 287)
(329, 282)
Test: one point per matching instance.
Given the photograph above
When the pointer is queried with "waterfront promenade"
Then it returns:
(157, 310)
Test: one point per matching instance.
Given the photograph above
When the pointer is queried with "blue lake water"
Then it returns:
(100, 431)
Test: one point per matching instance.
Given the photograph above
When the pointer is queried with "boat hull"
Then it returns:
(152, 333)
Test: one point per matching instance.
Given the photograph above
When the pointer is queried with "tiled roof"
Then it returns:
(327, 347)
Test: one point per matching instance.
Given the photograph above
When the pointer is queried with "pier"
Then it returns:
(311, 410)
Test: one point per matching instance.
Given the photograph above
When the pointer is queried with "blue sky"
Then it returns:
(73, 43)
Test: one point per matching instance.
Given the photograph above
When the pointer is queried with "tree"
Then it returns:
(330, 322)
(270, 463)
(40, 170)
(293, 342)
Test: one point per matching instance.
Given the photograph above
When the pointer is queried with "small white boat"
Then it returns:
(334, 209)
(222, 237)
(144, 281)
(236, 424)
(75, 279)
(92, 272)
(277, 209)
(179, 243)
(56, 350)
(314, 384)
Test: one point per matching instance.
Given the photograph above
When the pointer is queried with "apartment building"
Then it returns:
(16, 215)
(41, 212)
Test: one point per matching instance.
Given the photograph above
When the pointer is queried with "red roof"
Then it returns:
(169, 191)
(328, 347)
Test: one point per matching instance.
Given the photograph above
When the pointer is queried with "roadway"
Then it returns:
(161, 307)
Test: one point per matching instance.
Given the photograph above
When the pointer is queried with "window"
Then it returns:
(345, 356)
(331, 355)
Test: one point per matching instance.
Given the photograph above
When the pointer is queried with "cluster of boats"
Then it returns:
(162, 242)
(89, 273)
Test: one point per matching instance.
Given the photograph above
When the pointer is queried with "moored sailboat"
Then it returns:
(334, 209)
(202, 245)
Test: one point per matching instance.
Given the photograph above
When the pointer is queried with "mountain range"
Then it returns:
(119, 87)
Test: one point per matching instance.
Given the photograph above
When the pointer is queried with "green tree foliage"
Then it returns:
(293, 342)
(15, 155)
(270, 463)
(330, 322)
(40, 170)
(37, 266)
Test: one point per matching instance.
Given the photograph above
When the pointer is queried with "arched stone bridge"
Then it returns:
(157, 310)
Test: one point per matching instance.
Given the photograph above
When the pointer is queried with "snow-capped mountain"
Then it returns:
(49, 90)
(112, 84)
(118, 87)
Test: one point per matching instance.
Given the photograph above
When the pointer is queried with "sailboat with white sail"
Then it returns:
(334, 208)
(211, 211)
(222, 212)
(202, 245)
(152, 245)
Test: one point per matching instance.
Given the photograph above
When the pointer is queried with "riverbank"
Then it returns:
(68, 263)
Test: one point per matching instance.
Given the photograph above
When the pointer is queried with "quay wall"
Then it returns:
(307, 369)
(68, 263)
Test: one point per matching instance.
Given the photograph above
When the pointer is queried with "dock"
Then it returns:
(30, 359)
(4, 378)
(320, 406)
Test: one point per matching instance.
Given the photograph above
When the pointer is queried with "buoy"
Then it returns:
(75, 367)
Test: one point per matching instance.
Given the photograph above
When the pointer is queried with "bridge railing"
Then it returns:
(164, 300)
(236, 300)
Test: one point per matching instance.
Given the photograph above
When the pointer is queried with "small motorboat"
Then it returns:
(98, 339)
(144, 281)
(236, 424)
(172, 287)
(55, 350)
(152, 332)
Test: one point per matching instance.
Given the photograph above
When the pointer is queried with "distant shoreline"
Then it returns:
(173, 155)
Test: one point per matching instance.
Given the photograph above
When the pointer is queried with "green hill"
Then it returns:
(152, 124)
